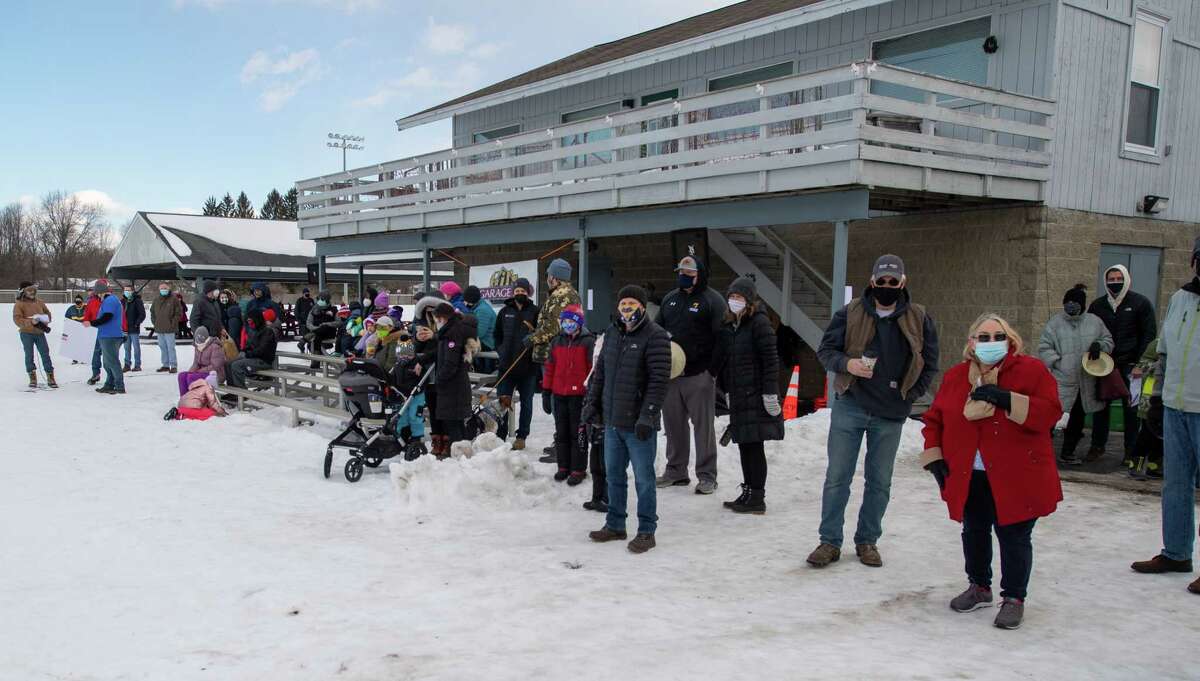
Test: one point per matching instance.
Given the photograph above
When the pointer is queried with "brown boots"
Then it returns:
(440, 446)
(50, 379)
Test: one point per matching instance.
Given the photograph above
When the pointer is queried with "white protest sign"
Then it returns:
(496, 282)
(77, 341)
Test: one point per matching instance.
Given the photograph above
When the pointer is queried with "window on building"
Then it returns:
(954, 51)
(591, 136)
(737, 108)
(669, 146)
(1145, 86)
(489, 135)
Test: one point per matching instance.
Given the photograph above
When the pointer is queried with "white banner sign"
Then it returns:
(77, 341)
(496, 282)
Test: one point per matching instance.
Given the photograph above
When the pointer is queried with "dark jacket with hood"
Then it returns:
(263, 303)
(303, 307)
(747, 367)
(135, 313)
(260, 338)
(231, 316)
(512, 327)
(890, 392)
(569, 363)
(1133, 324)
(206, 313)
(693, 319)
(629, 381)
(452, 375)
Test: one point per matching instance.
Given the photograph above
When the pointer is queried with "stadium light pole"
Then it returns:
(345, 142)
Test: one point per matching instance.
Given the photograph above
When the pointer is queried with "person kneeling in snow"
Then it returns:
(566, 368)
(626, 394)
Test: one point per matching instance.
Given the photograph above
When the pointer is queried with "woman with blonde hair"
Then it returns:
(987, 443)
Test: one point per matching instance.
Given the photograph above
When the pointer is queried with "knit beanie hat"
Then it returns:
(744, 287)
(209, 286)
(200, 335)
(396, 314)
(1078, 294)
(100, 287)
(573, 312)
(450, 289)
(381, 300)
(472, 295)
(268, 315)
(385, 322)
(522, 282)
(559, 269)
(632, 291)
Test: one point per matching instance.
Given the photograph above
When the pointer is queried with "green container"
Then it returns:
(1116, 418)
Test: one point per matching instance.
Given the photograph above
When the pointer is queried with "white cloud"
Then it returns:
(449, 39)
(465, 76)
(114, 210)
(281, 74)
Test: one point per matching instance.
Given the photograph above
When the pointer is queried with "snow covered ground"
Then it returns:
(135, 548)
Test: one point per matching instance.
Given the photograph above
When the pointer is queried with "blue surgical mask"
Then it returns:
(163, 292)
(991, 352)
(569, 326)
(128, 294)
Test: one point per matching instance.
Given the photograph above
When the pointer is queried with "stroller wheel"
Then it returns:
(354, 469)
(372, 461)
(328, 461)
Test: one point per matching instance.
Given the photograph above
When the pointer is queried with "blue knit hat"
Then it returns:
(559, 269)
(574, 313)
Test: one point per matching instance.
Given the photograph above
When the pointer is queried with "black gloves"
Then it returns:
(589, 415)
(1094, 351)
(643, 431)
(547, 399)
(993, 394)
(940, 470)
(581, 438)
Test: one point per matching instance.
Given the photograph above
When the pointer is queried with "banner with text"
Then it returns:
(496, 282)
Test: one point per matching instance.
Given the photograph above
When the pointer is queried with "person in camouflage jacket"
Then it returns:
(562, 294)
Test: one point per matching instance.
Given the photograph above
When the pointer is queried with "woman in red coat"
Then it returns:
(987, 442)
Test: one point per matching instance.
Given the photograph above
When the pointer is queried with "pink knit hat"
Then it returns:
(450, 289)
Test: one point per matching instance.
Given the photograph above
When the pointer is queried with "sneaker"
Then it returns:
(706, 487)
(641, 543)
(117, 391)
(868, 554)
(561, 475)
(171, 415)
(125, 369)
(518, 444)
(1070, 460)
(1160, 564)
(1012, 611)
(664, 481)
(162, 370)
(1154, 472)
(606, 534)
(173, 370)
(974, 598)
(1094, 454)
(136, 369)
(823, 555)
(741, 498)
(575, 478)
(598, 505)
(104, 390)
(93, 380)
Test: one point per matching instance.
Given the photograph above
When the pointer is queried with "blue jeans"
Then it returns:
(526, 386)
(131, 343)
(621, 448)
(848, 424)
(110, 351)
(1181, 460)
(29, 341)
(166, 349)
(96, 359)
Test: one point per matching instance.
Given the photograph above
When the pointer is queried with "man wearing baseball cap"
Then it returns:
(1179, 348)
(883, 350)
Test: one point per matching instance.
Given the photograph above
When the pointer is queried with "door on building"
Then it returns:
(598, 300)
(1143, 262)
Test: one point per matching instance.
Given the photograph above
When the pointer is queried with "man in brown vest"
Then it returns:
(883, 349)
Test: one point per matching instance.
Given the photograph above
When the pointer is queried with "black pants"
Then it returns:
(1016, 542)
(436, 426)
(453, 429)
(567, 409)
(1074, 432)
(596, 461)
(754, 465)
(1100, 420)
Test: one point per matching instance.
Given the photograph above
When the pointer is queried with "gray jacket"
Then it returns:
(1064, 342)
(1180, 342)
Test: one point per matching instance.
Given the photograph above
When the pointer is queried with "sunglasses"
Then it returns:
(887, 282)
(987, 337)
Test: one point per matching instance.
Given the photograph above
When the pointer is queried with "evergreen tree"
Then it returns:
(211, 207)
(243, 209)
(226, 209)
(290, 206)
(272, 206)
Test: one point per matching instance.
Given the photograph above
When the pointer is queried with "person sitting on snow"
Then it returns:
(566, 368)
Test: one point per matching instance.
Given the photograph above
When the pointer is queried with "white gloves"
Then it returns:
(771, 404)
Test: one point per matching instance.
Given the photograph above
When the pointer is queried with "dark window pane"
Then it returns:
(1143, 116)
(954, 51)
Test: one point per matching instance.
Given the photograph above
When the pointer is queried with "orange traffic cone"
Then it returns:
(791, 403)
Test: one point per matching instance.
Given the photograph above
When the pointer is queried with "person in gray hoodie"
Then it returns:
(1179, 347)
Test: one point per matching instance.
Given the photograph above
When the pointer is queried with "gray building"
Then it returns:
(1007, 149)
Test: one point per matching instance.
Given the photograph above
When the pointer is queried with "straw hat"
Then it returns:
(1099, 367)
(678, 360)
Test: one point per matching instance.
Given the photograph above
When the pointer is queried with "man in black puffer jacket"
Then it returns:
(515, 321)
(1130, 319)
(625, 394)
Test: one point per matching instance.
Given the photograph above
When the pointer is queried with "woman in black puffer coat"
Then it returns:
(746, 367)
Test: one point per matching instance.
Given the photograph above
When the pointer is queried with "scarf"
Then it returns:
(1115, 301)
(974, 410)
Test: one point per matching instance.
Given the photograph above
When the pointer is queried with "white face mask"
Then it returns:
(366, 302)
(736, 305)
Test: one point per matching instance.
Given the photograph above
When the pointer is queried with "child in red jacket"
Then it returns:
(563, 378)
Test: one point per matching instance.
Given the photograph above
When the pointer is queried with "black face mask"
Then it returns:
(521, 299)
(1115, 288)
(886, 296)
(1072, 308)
(687, 281)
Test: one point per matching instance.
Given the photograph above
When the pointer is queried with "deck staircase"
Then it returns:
(781, 275)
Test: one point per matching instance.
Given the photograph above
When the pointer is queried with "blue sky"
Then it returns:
(155, 104)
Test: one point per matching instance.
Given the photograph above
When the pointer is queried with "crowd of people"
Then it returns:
(988, 433)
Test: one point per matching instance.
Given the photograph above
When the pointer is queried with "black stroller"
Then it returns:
(376, 401)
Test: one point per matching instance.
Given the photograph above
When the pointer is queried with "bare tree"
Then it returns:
(68, 231)
(18, 246)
